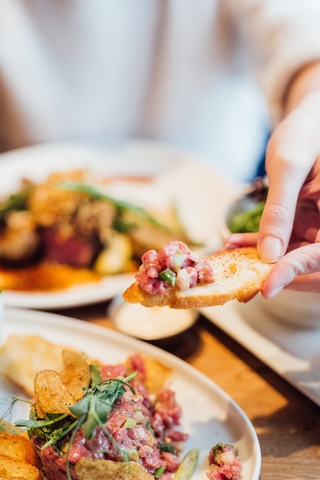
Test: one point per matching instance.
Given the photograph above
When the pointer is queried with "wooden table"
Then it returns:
(287, 423)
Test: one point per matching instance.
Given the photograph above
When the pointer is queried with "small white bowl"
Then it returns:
(149, 324)
(301, 309)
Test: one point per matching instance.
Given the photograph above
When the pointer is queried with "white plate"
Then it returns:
(209, 414)
(290, 351)
(197, 190)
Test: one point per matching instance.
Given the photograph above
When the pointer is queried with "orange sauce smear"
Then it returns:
(45, 277)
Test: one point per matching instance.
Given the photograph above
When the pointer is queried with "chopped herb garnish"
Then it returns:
(130, 423)
(168, 275)
(178, 260)
(167, 447)
(159, 471)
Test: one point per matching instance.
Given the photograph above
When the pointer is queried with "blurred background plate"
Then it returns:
(200, 195)
(150, 324)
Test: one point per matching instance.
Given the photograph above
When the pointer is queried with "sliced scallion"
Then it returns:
(168, 275)
(178, 260)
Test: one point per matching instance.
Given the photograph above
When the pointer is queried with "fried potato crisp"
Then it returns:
(76, 373)
(157, 374)
(52, 396)
(13, 468)
(87, 469)
(22, 356)
(17, 446)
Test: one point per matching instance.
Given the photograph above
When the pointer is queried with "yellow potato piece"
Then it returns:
(17, 446)
(11, 467)
(76, 373)
(52, 396)
(87, 469)
(157, 374)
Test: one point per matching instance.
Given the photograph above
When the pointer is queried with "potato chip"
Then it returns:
(157, 374)
(52, 396)
(87, 469)
(11, 478)
(17, 446)
(22, 356)
(76, 373)
(11, 467)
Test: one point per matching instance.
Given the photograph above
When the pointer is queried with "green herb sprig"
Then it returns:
(91, 411)
(118, 204)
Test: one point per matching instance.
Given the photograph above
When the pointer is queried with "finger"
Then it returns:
(277, 220)
(241, 240)
(292, 151)
(299, 262)
(285, 181)
(306, 283)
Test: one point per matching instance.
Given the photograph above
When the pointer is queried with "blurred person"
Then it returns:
(289, 229)
(212, 77)
(183, 72)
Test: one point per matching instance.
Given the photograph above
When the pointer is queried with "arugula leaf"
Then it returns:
(95, 406)
(95, 375)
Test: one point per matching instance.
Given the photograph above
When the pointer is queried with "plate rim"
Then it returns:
(129, 152)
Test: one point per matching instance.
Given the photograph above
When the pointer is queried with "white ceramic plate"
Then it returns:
(197, 190)
(290, 351)
(209, 414)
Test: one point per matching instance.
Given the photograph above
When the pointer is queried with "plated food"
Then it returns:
(69, 230)
(177, 277)
(244, 214)
(93, 419)
(209, 415)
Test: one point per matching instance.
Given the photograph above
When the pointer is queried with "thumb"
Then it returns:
(277, 220)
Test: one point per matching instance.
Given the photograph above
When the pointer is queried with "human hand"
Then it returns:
(289, 227)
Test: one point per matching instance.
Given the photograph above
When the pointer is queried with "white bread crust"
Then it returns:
(239, 275)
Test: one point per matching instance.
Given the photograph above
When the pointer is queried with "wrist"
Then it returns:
(306, 82)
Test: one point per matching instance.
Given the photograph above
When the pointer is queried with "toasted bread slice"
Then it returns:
(239, 274)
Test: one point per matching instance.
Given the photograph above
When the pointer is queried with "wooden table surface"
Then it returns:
(287, 423)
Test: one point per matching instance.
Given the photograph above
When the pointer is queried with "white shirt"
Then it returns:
(178, 71)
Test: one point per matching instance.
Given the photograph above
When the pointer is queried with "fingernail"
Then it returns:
(270, 249)
(275, 291)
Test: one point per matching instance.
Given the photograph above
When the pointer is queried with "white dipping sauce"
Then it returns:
(151, 323)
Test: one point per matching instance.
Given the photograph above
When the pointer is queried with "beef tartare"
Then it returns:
(174, 265)
(116, 419)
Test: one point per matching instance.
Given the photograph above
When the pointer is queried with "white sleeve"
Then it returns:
(283, 36)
